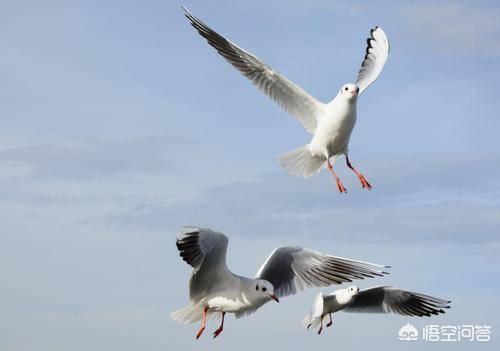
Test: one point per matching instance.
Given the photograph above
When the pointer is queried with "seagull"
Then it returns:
(214, 289)
(379, 299)
(330, 123)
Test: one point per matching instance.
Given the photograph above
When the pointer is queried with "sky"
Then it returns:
(119, 125)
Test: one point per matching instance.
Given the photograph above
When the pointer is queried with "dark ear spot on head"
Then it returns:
(256, 287)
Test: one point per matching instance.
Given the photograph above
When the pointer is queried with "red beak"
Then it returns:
(274, 297)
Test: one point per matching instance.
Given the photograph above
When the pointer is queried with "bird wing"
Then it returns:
(388, 299)
(289, 96)
(290, 269)
(377, 52)
(205, 251)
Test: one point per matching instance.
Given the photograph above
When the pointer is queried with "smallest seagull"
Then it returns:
(379, 299)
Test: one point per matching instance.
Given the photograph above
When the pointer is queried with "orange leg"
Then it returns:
(203, 323)
(221, 328)
(340, 186)
(331, 320)
(362, 179)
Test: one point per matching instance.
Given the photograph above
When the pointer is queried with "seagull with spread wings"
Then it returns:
(379, 299)
(215, 290)
(331, 124)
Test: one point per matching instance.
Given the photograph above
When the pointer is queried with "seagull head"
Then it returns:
(265, 290)
(352, 290)
(349, 91)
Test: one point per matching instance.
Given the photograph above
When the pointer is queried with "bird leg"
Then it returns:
(331, 320)
(321, 326)
(362, 179)
(221, 328)
(203, 323)
(340, 186)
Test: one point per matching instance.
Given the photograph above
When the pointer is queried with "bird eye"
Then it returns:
(346, 88)
(264, 289)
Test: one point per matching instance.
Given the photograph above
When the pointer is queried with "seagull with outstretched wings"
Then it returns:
(331, 124)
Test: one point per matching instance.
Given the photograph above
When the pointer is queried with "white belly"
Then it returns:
(223, 304)
(333, 134)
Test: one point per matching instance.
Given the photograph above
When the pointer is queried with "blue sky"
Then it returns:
(120, 125)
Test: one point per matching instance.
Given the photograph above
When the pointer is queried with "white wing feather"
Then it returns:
(377, 52)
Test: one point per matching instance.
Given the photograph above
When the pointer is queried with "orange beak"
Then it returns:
(274, 297)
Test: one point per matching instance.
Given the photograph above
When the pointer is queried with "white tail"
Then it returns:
(313, 319)
(300, 162)
(187, 315)
(191, 314)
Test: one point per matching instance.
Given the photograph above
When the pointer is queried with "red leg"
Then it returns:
(362, 179)
(221, 328)
(203, 323)
(331, 320)
(340, 186)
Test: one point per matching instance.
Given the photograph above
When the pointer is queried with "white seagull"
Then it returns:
(213, 288)
(331, 124)
(379, 299)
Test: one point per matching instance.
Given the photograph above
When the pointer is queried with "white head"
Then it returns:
(262, 289)
(349, 91)
(345, 296)
(352, 290)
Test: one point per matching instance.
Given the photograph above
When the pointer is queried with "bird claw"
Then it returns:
(364, 183)
(320, 330)
(341, 187)
(217, 332)
(199, 333)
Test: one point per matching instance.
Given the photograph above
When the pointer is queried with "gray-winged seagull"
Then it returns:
(379, 299)
(330, 123)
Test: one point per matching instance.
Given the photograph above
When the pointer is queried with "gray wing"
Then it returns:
(294, 268)
(205, 251)
(288, 95)
(377, 52)
(388, 299)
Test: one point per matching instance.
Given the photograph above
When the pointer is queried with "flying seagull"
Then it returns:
(379, 299)
(214, 289)
(331, 124)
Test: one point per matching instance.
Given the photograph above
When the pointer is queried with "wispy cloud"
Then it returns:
(455, 27)
(463, 205)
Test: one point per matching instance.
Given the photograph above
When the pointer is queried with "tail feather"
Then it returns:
(188, 315)
(191, 314)
(313, 319)
(300, 162)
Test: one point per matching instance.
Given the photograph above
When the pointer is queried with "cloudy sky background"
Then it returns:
(120, 125)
